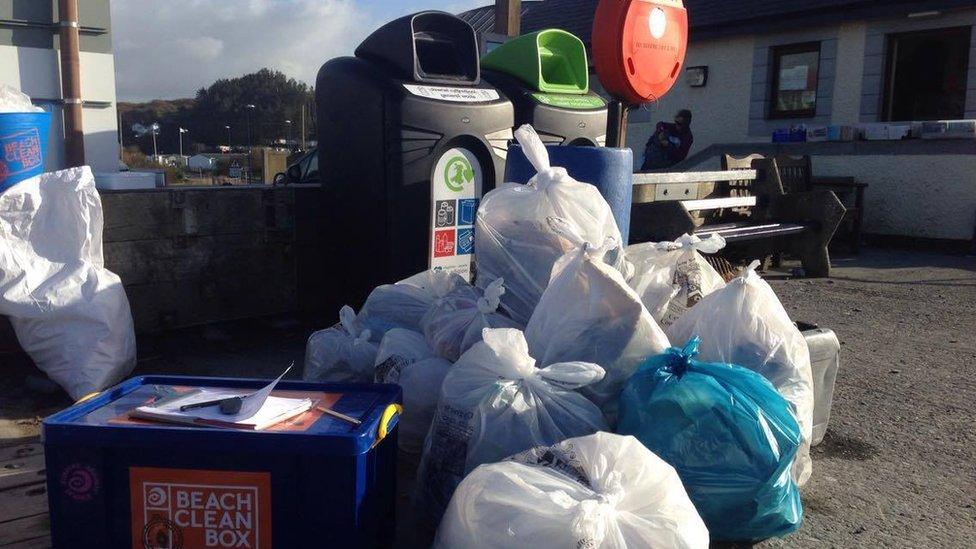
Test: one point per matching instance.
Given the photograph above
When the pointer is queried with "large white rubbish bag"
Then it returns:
(399, 348)
(404, 304)
(589, 313)
(513, 240)
(744, 323)
(602, 491)
(69, 312)
(405, 359)
(455, 323)
(494, 403)
(421, 383)
(669, 277)
(342, 353)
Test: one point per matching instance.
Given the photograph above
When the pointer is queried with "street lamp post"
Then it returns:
(182, 131)
(154, 129)
(228, 136)
(288, 136)
(247, 111)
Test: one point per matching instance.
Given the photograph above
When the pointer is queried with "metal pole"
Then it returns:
(155, 154)
(303, 126)
(181, 144)
(74, 134)
(121, 140)
(247, 109)
(617, 124)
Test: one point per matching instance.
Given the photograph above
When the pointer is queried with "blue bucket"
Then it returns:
(23, 145)
(608, 169)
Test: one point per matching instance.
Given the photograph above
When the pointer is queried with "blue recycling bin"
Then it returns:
(611, 170)
(23, 146)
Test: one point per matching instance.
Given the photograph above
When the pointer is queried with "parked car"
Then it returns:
(304, 170)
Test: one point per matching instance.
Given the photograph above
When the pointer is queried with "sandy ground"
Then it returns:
(897, 467)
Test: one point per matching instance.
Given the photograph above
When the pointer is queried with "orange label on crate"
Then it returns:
(194, 509)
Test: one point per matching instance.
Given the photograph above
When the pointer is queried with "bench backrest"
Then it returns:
(796, 172)
(739, 187)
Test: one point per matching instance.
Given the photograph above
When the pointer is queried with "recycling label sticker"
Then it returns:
(455, 189)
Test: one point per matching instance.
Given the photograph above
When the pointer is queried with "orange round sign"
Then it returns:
(639, 46)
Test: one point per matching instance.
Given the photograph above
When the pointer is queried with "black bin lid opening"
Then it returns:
(431, 47)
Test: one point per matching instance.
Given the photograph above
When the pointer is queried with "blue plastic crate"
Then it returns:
(314, 481)
(789, 135)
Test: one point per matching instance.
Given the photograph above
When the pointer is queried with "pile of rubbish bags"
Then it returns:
(514, 386)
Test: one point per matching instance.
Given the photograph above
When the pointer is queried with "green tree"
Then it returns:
(276, 98)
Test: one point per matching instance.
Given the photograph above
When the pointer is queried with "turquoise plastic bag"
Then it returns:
(729, 434)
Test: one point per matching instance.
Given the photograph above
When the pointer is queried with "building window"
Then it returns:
(925, 75)
(796, 69)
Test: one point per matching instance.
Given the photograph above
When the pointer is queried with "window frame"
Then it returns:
(777, 52)
(890, 58)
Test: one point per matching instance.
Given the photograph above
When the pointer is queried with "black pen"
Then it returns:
(229, 405)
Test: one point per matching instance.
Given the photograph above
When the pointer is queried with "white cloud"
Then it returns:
(203, 48)
(171, 48)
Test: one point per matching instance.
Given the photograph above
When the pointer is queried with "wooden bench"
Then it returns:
(766, 222)
(796, 173)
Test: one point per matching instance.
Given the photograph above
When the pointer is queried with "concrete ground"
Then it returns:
(897, 467)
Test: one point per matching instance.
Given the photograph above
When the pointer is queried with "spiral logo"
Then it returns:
(80, 482)
(161, 533)
(156, 497)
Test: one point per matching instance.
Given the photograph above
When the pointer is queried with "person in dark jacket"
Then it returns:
(670, 143)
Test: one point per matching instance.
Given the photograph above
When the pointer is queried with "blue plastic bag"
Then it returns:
(729, 434)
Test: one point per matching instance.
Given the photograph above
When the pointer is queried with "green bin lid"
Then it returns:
(551, 61)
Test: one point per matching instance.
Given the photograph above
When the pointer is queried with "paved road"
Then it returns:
(898, 465)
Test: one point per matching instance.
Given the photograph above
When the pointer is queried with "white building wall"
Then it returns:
(36, 72)
(924, 195)
(850, 67)
(720, 109)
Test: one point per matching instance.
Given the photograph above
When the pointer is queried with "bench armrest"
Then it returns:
(659, 221)
(818, 208)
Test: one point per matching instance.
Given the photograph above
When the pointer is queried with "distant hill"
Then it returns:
(276, 98)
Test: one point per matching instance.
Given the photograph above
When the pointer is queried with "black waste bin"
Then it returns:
(409, 139)
(546, 76)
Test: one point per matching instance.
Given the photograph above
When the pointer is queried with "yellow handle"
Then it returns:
(87, 397)
(389, 413)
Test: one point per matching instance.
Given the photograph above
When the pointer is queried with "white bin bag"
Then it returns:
(421, 383)
(513, 240)
(670, 277)
(494, 403)
(589, 313)
(744, 323)
(69, 312)
(404, 304)
(399, 348)
(342, 353)
(602, 491)
(405, 359)
(456, 322)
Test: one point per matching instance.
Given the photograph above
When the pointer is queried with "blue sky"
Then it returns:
(169, 48)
